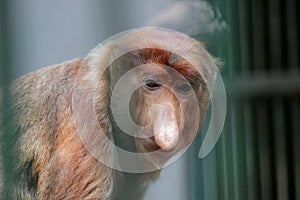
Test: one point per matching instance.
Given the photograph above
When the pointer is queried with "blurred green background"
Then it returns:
(257, 156)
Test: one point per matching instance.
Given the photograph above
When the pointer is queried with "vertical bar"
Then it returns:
(5, 50)
(6, 151)
(280, 150)
(232, 150)
(275, 34)
(239, 154)
(246, 40)
(253, 172)
(196, 171)
(210, 185)
(292, 35)
(222, 167)
(246, 62)
(221, 5)
(232, 60)
(234, 39)
(283, 36)
(288, 118)
(229, 154)
(223, 150)
(233, 65)
(266, 35)
(259, 29)
(209, 168)
(298, 28)
(295, 113)
(226, 170)
(264, 143)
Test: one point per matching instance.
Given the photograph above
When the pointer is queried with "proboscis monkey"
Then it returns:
(49, 143)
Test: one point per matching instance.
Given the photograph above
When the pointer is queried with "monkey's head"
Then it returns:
(159, 84)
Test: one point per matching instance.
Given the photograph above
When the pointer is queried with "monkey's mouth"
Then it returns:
(150, 145)
(160, 156)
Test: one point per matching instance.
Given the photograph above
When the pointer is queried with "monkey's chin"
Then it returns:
(152, 153)
(147, 145)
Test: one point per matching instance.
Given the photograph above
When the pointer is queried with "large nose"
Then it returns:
(165, 127)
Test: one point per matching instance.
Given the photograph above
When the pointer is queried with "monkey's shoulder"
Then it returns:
(39, 93)
(48, 76)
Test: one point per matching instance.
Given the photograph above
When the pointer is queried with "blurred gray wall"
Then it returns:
(49, 32)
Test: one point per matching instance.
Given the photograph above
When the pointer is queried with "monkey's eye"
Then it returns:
(151, 84)
(184, 88)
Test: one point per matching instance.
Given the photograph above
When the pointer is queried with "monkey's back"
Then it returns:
(36, 121)
(28, 108)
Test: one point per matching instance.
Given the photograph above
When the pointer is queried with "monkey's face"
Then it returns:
(169, 107)
(164, 78)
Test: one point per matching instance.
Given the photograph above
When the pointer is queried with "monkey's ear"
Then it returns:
(218, 66)
(100, 57)
(219, 63)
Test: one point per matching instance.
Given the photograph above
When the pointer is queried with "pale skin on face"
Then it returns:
(162, 105)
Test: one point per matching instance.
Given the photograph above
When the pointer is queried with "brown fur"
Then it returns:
(60, 163)
(49, 161)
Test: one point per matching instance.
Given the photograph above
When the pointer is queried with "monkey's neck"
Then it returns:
(132, 186)
(129, 186)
